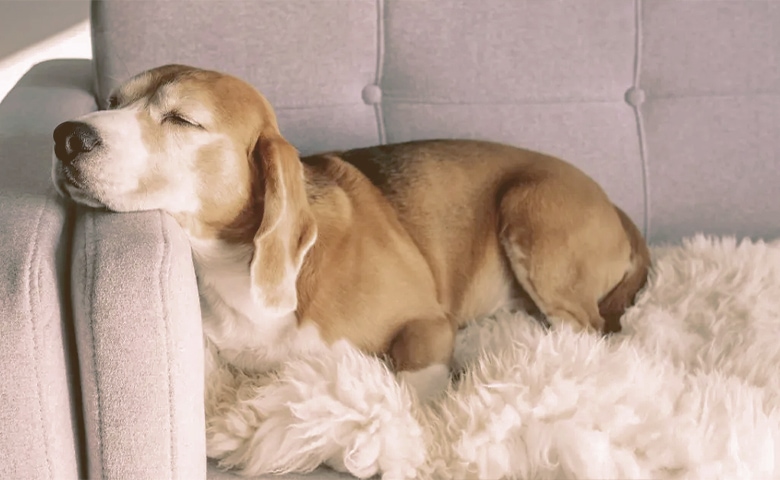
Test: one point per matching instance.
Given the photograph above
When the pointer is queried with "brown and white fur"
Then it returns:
(391, 248)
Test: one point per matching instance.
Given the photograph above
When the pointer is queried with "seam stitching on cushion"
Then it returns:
(412, 101)
(554, 101)
(447, 103)
(34, 284)
(165, 274)
(89, 286)
(360, 103)
(380, 61)
(643, 156)
(71, 339)
(699, 96)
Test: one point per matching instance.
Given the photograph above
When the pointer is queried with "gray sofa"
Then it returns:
(674, 106)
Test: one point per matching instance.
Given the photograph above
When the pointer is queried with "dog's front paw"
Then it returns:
(428, 383)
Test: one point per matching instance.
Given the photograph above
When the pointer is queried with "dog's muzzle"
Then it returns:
(72, 139)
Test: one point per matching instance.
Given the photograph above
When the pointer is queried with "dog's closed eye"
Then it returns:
(177, 118)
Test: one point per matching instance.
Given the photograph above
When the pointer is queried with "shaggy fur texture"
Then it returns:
(688, 390)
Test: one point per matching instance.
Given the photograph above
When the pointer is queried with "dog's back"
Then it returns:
(447, 194)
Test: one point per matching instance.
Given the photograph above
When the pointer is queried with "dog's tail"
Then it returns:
(615, 303)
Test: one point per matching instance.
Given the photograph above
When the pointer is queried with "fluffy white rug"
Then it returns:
(689, 390)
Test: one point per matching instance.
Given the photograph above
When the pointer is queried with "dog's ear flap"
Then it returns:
(287, 230)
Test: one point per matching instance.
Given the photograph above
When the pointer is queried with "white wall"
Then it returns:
(35, 30)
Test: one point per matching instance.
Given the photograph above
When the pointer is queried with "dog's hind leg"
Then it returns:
(566, 247)
(614, 304)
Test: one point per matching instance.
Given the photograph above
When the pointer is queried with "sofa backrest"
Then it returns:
(673, 106)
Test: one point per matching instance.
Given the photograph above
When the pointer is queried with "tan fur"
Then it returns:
(395, 247)
(476, 212)
(623, 295)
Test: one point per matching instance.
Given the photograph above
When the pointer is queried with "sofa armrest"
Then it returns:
(39, 393)
(50, 93)
(140, 346)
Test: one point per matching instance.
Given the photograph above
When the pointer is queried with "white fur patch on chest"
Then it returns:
(244, 333)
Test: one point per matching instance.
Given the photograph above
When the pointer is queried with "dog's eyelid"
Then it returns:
(177, 117)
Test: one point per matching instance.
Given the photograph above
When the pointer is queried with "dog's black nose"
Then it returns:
(73, 138)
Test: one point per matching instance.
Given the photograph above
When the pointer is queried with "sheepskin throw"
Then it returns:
(690, 389)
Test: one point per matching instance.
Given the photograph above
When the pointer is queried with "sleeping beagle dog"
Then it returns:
(391, 248)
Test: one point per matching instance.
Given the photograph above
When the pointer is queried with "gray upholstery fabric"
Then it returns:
(40, 410)
(711, 72)
(140, 346)
(671, 105)
(312, 59)
(50, 93)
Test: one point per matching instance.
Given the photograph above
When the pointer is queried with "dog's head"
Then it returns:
(206, 148)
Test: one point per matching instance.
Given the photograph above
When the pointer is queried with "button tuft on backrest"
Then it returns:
(635, 96)
(372, 94)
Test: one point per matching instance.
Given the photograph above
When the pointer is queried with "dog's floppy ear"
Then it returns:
(287, 230)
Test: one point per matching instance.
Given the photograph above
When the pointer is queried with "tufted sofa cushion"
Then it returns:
(672, 105)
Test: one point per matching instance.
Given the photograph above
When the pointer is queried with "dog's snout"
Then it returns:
(73, 138)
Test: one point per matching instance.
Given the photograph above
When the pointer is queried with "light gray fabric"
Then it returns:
(141, 362)
(39, 391)
(323, 51)
(40, 410)
(671, 105)
(312, 59)
(711, 73)
(549, 76)
(140, 346)
(50, 93)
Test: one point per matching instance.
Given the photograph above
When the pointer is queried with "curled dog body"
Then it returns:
(390, 248)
